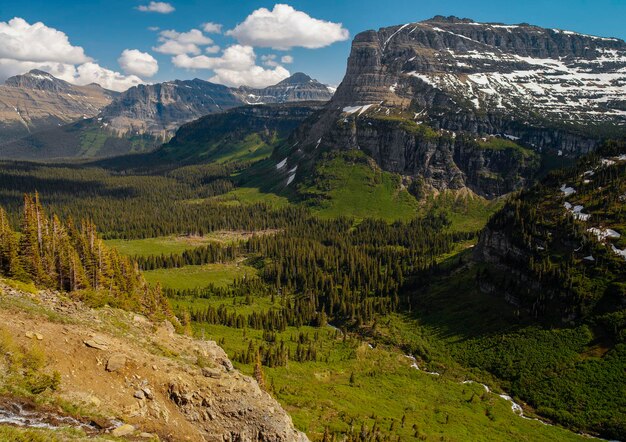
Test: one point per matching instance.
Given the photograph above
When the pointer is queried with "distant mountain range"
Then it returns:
(42, 117)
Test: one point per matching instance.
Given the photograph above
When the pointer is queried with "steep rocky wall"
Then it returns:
(443, 159)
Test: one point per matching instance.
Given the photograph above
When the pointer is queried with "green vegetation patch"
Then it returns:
(157, 246)
(351, 184)
(496, 143)
(191, 277)
(466, 211)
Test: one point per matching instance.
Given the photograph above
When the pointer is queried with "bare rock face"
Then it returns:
(159, 109)
(425, 100)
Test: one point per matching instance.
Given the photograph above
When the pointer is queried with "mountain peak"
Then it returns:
(297, 78)
(40, 73)
(449, 19)
(39, 80)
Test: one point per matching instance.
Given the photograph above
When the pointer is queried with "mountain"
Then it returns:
(457, 103)
(137, 120)
(298, 87)
(37, 101)
(242, 134)
(159, 109)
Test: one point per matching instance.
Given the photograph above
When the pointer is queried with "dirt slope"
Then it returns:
(121, 366)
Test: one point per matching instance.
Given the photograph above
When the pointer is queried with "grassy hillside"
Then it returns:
(351, 184)
(351, 386)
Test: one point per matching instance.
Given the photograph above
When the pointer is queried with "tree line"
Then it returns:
(72, 257)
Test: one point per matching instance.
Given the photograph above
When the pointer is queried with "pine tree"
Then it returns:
(258, 373)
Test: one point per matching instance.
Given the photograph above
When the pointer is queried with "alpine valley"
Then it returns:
(435, 250)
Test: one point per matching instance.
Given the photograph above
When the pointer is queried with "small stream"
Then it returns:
(20, 415)
(515, 407)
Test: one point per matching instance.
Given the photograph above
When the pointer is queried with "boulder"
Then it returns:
(123, 430)
(97, 343)
(116, 362)
(211, 373)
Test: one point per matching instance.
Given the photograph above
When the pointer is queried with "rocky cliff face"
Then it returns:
(298, 87)
(468, 84)
(38, 101)
(159, 109)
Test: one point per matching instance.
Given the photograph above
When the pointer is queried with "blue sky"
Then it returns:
(103, 29)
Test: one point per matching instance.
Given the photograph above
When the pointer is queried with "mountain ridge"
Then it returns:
(141, 118)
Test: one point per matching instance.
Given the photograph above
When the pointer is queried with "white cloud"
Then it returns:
(287, 59)
(138, 63)
(255, 76)
(160, 7)
(234, 57)
(212, 49)
(269, 60)
(93, 73)
(37, 42)
(212, 28)
(24, 47)
(153, 28)
(176, 43)
(173, 47)
(235, 67)
(284, 28)
(194, 36)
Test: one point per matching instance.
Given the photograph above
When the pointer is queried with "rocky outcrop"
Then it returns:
(161, 383)
(489, 166)
(298, 87)
(37, 101)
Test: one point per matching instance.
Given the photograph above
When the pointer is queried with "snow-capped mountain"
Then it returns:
(458, 65)
(522, 68)
(458, 103)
